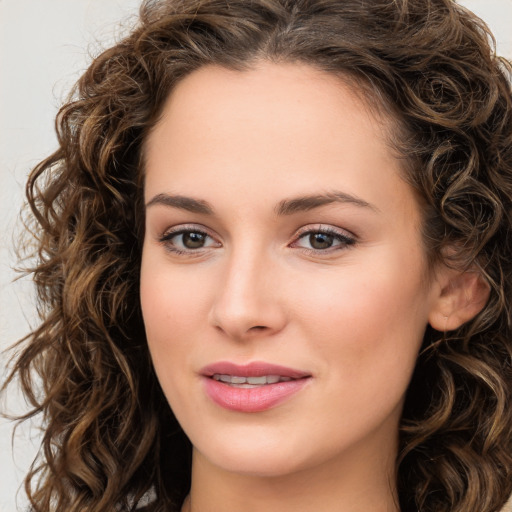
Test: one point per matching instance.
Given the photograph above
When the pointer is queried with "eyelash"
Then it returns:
(344, 240)
(167, 237)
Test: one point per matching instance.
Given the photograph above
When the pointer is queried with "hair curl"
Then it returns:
(110, 437)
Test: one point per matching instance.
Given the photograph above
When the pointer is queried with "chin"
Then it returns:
(260, 457)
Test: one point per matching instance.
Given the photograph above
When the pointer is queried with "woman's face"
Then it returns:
(282, 256)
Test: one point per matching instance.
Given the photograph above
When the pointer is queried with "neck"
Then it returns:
(332, 487)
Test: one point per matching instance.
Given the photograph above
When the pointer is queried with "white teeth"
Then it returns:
(256, 380)
(248, 382)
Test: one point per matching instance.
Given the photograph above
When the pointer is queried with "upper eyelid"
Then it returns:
(325, 228)
(180, 228)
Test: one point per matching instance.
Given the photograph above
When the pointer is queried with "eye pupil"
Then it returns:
(321, 240)
(192, 240)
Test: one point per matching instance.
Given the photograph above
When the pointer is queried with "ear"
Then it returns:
(460, 296)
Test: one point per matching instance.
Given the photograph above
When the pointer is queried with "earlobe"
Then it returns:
(461, 296)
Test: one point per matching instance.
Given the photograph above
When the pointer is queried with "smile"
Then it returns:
(254, 387)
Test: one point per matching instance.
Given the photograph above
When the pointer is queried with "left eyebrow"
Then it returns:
(306, 203)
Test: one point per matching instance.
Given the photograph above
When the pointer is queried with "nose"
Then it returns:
(248, 301)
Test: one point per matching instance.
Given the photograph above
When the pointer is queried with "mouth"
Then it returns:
(255, 387)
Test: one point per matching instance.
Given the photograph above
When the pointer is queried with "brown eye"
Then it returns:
(321, 241)
(188, 241)
(193, 240)
(325, 240)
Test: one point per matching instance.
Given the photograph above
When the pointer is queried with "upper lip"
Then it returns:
(253, 369)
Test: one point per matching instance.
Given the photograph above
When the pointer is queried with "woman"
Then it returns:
(274, 265)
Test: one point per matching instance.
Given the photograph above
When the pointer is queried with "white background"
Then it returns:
(44, 47)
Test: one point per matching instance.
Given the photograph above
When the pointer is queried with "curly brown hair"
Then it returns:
(109, 436)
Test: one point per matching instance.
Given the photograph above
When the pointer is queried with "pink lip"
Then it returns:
(254, 399)
(254, 369)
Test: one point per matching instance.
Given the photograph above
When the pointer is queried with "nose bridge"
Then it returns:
(245, 302)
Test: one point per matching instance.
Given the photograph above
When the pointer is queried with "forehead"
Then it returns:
(275, 130)
(288, 98)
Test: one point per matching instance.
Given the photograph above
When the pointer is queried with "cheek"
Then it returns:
(171, 307)
(170, 312)
(166, 306)
(169, 299)
(372, 315)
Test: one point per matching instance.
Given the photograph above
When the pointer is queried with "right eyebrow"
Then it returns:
(183, 203)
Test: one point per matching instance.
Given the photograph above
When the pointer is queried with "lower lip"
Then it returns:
(254, 399)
